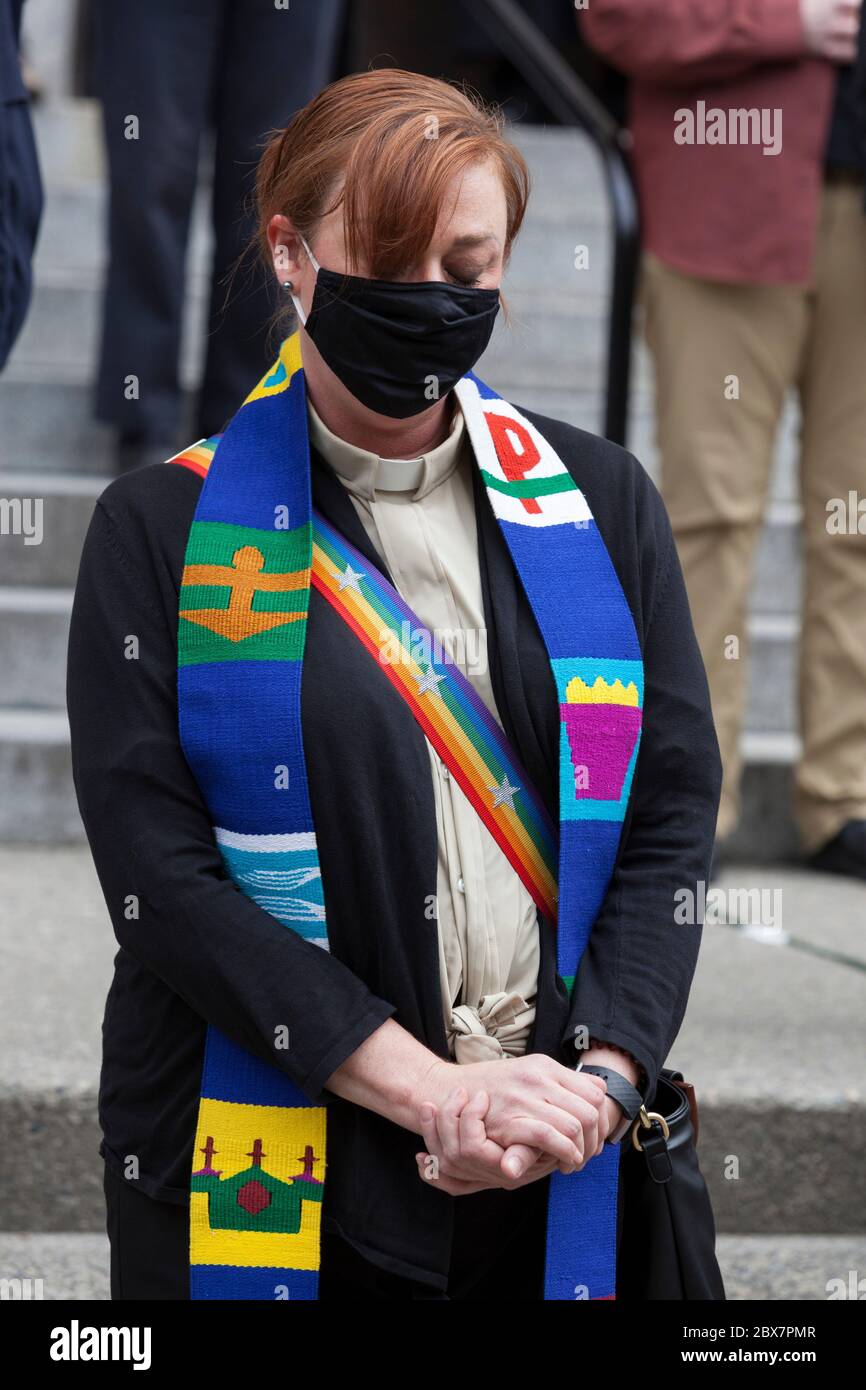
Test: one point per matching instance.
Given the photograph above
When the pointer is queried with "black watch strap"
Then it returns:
(619, 1088)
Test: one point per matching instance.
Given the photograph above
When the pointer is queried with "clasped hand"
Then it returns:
(509, 1122)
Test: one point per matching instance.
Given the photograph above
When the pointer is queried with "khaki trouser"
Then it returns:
(716, 459)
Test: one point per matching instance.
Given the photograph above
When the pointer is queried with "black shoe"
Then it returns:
(845, 853)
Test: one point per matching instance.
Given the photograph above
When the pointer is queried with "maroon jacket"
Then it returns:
(721, 211)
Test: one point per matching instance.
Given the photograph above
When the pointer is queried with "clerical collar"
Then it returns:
(365, 473)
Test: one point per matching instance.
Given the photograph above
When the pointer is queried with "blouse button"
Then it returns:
(445, 773)
(461, 884)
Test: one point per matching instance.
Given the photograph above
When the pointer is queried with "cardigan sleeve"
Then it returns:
(634, 977)
(172, 904)
(683, 41)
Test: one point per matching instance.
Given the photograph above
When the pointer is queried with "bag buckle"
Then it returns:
(646, 1118)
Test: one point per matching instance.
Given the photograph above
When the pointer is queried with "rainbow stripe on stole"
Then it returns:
(254, 548)
(453, 717)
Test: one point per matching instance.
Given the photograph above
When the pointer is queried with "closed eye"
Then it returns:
(457, 280)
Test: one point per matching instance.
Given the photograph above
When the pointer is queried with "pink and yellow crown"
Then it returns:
(577, 692)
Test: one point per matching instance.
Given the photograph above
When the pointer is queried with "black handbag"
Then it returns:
(667, 1235)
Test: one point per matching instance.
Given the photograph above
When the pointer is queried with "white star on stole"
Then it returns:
(349, 579)
(504, 795)
(429, 681)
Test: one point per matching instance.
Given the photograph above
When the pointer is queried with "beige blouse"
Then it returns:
(420, 515)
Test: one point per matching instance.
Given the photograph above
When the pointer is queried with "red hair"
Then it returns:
(396, 139)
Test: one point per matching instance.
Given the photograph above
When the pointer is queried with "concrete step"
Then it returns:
(46, 517)
(55, 432)
(47, 37)
(69, 137)
(774, 1041)
(766, 1268)
(38, 803)
(63, 325)
(772, 671)
(790, 1268)
(72, 248)
(34, 630)
(59, 1265)
(767, 833)
(796, 1130)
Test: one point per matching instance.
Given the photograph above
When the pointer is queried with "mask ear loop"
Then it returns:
(289, 284)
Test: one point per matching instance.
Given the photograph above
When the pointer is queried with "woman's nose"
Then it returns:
(429, 270)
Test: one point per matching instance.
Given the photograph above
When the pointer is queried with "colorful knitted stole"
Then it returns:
(253, 551)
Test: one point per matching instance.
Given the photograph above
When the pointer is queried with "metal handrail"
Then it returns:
(570, 102)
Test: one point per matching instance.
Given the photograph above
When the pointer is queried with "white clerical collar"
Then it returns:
(365, 473)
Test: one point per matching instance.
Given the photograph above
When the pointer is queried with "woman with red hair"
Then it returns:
(393, 747)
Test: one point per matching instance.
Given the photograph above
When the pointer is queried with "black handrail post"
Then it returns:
(571, 102)
(623, 289)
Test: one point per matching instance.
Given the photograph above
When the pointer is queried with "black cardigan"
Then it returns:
(198, 951)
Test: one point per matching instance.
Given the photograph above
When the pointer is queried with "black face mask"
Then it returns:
(398, 346)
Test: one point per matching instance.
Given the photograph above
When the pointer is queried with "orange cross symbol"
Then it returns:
(244, 578)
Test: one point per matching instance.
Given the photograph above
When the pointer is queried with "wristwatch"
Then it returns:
(619, 1088)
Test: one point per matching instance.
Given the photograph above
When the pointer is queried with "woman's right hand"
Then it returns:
(536, 1107)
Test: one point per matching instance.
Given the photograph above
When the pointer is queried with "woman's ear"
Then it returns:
(287, 250)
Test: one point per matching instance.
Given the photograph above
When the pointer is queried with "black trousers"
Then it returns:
(21, 201)
(167, 72)
(494, 1255)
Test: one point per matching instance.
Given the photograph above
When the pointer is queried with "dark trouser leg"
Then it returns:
(347, 1277)
(155, 67)
(21, 202)
(273, 62)
(149, 1243)
(497, 1254)
(499, 1246)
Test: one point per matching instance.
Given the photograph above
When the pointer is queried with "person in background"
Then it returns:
(754, 282)
(20, 183)
(166, 72)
